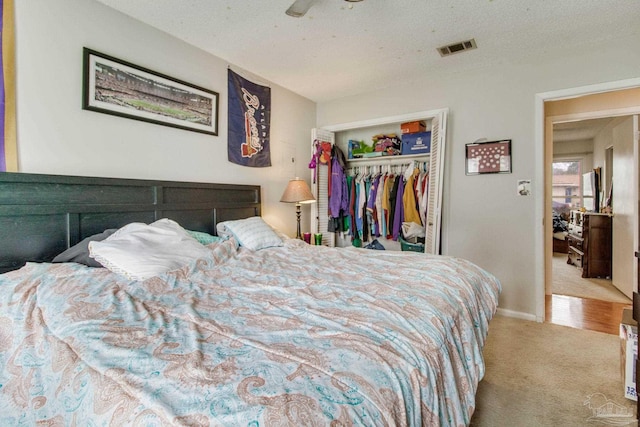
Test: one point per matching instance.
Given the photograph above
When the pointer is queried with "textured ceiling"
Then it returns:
(579, 130)
(340, 48)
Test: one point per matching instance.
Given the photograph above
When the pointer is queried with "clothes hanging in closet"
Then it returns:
(337, 189)
(370, 204)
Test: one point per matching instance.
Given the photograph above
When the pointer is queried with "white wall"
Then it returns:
(601, 142)
(483, 219)
(55, 136)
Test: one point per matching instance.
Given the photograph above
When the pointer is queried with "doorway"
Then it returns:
(573, 106)
(587, 301)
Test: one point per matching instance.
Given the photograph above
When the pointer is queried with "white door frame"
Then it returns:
(539, 174)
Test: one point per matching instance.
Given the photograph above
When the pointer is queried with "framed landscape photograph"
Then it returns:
(116, 87)
(488, 157)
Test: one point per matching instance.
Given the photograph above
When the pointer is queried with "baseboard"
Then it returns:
(517, 314)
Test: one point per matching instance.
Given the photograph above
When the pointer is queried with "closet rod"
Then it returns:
(415, 163)
(389, 160)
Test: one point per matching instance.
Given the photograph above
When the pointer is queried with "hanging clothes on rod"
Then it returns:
(385, 200)
(338, 192)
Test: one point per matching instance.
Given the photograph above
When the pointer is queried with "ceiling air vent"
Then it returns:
(457, 47)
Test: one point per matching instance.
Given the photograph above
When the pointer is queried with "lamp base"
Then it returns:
(298, 212)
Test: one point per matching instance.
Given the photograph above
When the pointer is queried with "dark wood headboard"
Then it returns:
(42, 215)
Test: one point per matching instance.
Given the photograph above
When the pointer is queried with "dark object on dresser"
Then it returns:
(590, 244)
(561, 246)
(560, 227)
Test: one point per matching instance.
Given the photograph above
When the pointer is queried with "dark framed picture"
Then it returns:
(488, 157)
(117, 87)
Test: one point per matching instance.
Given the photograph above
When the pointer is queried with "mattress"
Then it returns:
(291, 335)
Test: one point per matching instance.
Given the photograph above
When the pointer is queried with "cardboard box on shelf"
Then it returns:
(413, 127)
(628, 353)
(416, 143)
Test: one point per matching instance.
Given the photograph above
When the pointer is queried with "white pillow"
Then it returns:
(252, 233)
(139, 251)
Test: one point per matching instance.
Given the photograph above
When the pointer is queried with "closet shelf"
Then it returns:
(390, 159)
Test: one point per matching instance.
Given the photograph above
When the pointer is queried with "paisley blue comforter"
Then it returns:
(290, 336)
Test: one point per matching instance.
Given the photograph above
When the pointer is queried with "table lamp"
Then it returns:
(297, 192)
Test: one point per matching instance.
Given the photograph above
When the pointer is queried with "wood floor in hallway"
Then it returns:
(585, 313)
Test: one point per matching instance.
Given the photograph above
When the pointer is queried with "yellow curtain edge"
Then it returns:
(8, 60)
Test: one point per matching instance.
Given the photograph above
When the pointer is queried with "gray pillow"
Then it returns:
(80, 252)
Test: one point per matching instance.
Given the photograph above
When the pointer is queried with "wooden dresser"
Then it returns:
(590, 243)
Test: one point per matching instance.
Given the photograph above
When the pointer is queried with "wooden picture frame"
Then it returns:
(488, 157)
(119, 88)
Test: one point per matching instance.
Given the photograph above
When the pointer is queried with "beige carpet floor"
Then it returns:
(567, 280)
(540, 374)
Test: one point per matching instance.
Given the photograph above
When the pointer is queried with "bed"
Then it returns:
(280, 335)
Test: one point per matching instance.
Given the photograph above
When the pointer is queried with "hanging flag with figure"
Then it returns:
(249, 122)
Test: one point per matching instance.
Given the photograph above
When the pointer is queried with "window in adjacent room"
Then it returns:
(567, 186)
